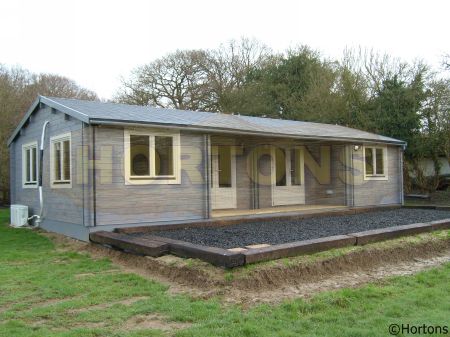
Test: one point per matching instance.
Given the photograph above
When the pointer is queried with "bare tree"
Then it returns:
(177, 80)
(58, 86)
(439, 105)
(193, 79)
(446, 62)
(229, 66)
(435, 133)
(18, 89)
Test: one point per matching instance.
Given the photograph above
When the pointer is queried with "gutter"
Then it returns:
(95, 121)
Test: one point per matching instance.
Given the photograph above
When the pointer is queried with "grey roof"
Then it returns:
(92, 112)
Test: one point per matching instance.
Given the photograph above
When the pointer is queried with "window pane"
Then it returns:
(139, 155)
(57, 160)
(369, 160)
(280, 167)
(66, 158)
(34, 163)
(295, 168)
(379, 161)
(163, 156)
(224, 166)
(27, 165)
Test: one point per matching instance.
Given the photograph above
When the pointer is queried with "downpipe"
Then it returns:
(38, 217)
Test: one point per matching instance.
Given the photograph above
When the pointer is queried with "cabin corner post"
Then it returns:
(94, 179)
(84, 165)
(83, 182)
(349, 175)
(207, 170)
(400, 169)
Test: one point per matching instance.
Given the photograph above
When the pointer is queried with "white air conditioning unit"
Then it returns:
(19, 215)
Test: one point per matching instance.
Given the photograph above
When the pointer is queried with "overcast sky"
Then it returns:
(95, 42)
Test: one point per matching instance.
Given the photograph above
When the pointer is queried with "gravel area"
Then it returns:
(282, 231)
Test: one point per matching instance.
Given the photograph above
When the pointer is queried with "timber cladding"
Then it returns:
(62, 205)
(119, 203)
(377, 192)
(325, 187)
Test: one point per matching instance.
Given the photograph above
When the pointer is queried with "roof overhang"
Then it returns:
(49, 102)
(111, 122)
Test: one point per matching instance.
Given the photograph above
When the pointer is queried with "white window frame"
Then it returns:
(153, 178)
(374, 176)
(25, 183)
(60, 183)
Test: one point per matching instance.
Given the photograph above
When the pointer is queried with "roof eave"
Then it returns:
(65, 109)
(113, 122)
(49, 102)
(23, 120)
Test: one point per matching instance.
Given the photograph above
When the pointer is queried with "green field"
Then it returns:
(48, 292)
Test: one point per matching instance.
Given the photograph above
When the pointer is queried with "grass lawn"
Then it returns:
(49, 292)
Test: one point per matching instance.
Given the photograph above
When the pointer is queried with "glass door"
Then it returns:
(223, 180)
(288, 176)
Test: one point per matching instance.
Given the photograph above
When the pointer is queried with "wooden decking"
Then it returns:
(223, 213)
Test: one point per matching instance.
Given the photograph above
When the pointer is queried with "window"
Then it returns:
(60, 161)
(164, 156)
(375, 163)
(296, 167)
(29, 165)
(224, 159)
(140, 155)
(288, 166)
(152, 158)
(280, 167)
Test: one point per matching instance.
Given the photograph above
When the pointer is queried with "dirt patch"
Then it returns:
(153, 321)
(359, 259)
(53, 301)
(127, 301)
(347, 279)
(293, 277)
(46, 323)
(105, 272)
(36, 303)
(197, 278)
(85, 325)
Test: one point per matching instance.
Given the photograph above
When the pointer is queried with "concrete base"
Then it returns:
(76, 231)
